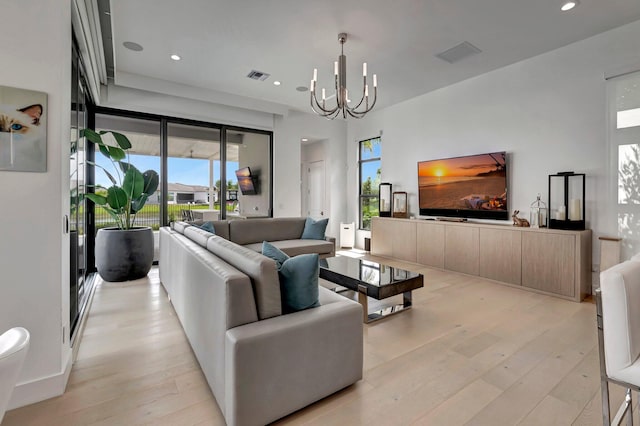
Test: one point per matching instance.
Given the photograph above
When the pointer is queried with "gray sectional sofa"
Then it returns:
(261, 365)
(283, 233)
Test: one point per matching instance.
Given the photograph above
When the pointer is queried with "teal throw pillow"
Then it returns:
(274, 253)
(298, 279)
(208, 226)
(314, 229)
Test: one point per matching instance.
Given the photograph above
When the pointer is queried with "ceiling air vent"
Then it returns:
(459, 52)
(258, 75)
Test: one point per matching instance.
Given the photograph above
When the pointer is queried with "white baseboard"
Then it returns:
(40, 389)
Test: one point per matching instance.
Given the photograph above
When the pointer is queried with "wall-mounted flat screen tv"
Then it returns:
(474, 186)
(246, 181)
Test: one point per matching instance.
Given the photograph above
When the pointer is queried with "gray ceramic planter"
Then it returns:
(124, 255)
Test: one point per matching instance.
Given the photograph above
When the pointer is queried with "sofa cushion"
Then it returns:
(298, 279)
(179, 227)
(197, 235)
(296, 247)
(258, 230)
(221, 227)
(261, 269)
(314, 229)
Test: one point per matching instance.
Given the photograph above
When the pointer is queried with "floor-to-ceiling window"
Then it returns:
(193, 172)
(369, 166)
(624, 138)
(79, 221)
(202, 167)
(248, 173)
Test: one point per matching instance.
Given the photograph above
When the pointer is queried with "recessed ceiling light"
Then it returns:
(276, 83)
(175, 57)
(132, 46)
(568, 5)
(304, 139)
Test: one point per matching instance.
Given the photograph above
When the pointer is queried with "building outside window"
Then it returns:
(369, 165)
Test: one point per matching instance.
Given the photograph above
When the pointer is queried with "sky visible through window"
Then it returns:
(370, 169)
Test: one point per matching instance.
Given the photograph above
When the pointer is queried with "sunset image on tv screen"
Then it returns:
(476, 182)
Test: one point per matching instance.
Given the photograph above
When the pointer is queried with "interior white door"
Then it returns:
(316, 191)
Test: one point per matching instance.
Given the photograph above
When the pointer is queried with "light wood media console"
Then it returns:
(549, 261)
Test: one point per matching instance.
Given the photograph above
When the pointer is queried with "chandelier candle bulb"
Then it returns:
(315, 74)
(364, 69)
(335, 68)
(313, 85)
(323, 94)
(375, 80)
(366, 91)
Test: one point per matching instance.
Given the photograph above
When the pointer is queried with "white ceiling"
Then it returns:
(221, 41)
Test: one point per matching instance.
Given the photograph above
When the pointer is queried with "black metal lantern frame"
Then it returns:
(384, 199)
(567, 201)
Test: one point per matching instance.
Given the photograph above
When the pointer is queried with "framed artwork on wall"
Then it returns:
(400, 205)
(23, 130)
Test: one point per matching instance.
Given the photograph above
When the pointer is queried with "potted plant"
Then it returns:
(124, 252)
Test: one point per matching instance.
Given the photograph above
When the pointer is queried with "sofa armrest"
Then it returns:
(279, 365)
(333, 250)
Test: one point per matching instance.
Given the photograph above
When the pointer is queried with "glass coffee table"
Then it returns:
(371, 279)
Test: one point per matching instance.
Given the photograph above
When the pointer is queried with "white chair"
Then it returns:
(14, 345)
(618, 316)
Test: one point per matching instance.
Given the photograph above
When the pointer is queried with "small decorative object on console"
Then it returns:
(384, 197)
(400, 209)
(524, 223)
(567, 201)
(538, 215)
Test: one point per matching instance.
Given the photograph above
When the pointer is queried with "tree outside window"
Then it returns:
(369, 165)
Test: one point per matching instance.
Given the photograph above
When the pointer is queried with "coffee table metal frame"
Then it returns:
(366, 290)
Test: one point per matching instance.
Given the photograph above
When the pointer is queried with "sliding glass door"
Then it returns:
(248, 173)
(193, 172)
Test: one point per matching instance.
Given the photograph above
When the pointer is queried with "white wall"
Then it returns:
(289, 131)
(547, 112)
(34, 252)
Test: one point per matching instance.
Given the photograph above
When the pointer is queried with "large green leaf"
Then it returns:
(98, 199)
(117, 198)
(106, 172)
(133, 183)
(104, 150)
(126, 166)
(116, 153)
(151, 182)
(91, 136)
(122, 140)
(138, 203)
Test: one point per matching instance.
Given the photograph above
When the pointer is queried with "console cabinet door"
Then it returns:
(404, 240)
(549, 262)
(461, 252)
(430, 244)
(501, 255)
(381, 237)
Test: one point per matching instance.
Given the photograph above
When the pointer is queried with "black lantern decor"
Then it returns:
(566, 201)
(384, 199)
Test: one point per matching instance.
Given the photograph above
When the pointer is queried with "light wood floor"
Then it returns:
(469, 352)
